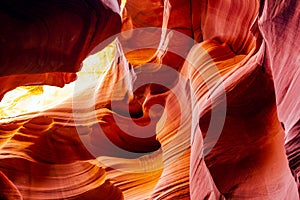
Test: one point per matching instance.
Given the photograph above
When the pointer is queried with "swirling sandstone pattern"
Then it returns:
(202, 105)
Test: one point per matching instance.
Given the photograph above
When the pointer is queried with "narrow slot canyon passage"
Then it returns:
(136, 100)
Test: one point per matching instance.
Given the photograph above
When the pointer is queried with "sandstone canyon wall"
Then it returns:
(173, 99)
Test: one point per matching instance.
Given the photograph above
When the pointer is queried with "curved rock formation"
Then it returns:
(173, 99)
(281, 43)
(51, 36)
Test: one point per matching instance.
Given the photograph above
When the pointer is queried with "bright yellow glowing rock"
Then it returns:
(28, 99)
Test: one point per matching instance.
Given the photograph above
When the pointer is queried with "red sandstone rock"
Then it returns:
(109, 141)
(51, 36)
(279, 25)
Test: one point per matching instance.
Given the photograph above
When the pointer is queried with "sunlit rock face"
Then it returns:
(51, 36)
(169, 99)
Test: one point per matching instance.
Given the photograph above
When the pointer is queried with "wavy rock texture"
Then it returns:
(51, 36)
(203, 105)
(282, 56)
